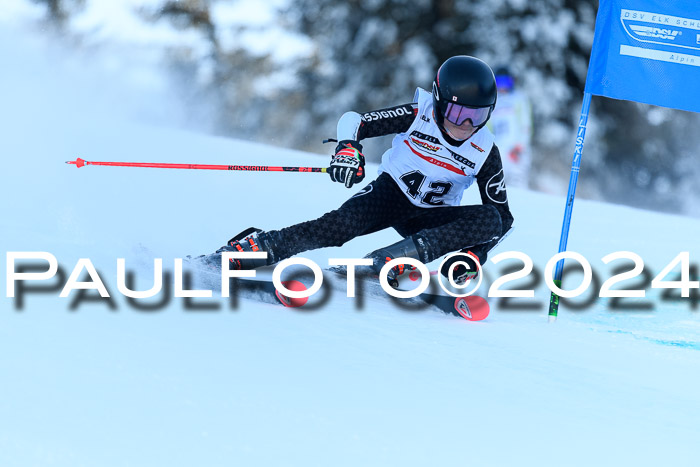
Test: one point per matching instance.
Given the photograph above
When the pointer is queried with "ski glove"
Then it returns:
(348, 163)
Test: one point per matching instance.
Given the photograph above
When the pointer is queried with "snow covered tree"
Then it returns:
(58, 11)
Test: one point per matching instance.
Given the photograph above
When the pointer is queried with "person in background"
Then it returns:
(511, 124)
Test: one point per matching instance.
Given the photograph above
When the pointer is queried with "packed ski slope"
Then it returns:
(85, 383)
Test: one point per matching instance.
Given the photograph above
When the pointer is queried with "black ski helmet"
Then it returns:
(466, 81)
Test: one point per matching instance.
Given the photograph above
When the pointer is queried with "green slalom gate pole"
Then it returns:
(573, 180)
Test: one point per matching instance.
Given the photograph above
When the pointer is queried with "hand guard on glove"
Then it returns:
(348, 163)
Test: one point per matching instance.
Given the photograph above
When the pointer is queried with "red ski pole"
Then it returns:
(256, 168)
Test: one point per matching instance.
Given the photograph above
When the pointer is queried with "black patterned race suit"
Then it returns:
(383, 203)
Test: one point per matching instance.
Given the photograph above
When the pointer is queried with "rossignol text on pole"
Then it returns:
(253, 168)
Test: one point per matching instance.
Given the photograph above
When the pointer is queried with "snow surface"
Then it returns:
(86, 384)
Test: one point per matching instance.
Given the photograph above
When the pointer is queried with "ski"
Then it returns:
(261, 288)
(471, 308)
(208, 271)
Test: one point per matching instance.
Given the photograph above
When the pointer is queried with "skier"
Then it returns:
(441, 147)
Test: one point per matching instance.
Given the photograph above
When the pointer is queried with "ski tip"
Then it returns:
(294, 286)
(472, 308)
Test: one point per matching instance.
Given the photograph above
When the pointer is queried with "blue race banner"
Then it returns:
(647, 51)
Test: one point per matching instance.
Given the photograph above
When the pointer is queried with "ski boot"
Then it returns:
(461, 274)
(250, 240)
(409, 247)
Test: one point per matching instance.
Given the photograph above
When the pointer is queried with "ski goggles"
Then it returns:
(458, 114)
